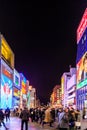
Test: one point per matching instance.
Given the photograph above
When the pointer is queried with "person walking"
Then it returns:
(48, 117)
(2, 119)
(78, 119)
(63, 123)
(72, 119)
(83, 113)
(7, 114)
(24, 118)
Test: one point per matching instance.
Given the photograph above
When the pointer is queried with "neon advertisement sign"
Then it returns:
(6, 70)
(6, 92)
(23, 84)
(16, 92)
(82, 26)
(6, 52)
(82, 72)
(62, 87)
(16, 79)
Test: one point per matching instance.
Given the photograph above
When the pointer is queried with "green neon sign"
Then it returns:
(81, 84)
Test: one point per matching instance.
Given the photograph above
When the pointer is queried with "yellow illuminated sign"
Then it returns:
(6, 52)
(62, 85)
(16, 92)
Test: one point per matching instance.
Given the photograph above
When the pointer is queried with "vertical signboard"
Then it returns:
(6, 52)
(82, 26)
(16, 79)
(82, 46)
(62, 88)
(23, 84)
(81, 61)
(82, 71)
(6, 85)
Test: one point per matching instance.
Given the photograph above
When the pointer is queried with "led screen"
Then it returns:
(82, 46)
(82, 26)
(23, 84)
(16, 92)
(82, 71)
(16, 79)
(62, 87)
(6, 92)
(7, 53)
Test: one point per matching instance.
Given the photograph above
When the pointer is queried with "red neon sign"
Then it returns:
(82, 26)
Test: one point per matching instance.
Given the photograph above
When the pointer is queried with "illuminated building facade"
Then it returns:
(13, 85)
(6, 74)
(23, 92)
(16, 89)
(71, 89)
(55, 98)
(81, 62)
(64, 79)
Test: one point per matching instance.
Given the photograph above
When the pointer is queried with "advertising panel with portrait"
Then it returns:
(82, 71)
(6, 92)
(6, 85)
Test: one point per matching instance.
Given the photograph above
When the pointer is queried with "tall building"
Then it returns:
(81, 62)
(64, 79)
(55, 98)
(6, 74)
(71, 89)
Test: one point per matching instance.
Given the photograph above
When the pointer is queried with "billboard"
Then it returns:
(23, 83)
(82, 26)
(82, 46)
(16, 92)
(62, 87)
(6, 85)
(6, 70)
(82, 71)
(16, 79)
(6, 52)
(6, 92)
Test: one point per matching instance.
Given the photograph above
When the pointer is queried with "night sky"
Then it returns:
(42, 35)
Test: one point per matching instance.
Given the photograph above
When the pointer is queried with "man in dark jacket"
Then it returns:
(7, 114)
(2, 119)
(24, 118)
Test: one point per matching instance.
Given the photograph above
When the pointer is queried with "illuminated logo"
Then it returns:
(7, 53)
(82, 26)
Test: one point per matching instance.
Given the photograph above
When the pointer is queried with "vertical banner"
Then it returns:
(6, 92)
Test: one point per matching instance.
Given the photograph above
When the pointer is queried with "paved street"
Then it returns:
(15, 123)
(84, 124)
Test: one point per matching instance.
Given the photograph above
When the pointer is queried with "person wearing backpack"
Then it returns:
(24, 118)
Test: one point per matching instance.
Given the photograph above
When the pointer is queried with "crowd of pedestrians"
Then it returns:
(65, 118)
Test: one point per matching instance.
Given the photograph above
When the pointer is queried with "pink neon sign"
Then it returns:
(82, 26)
